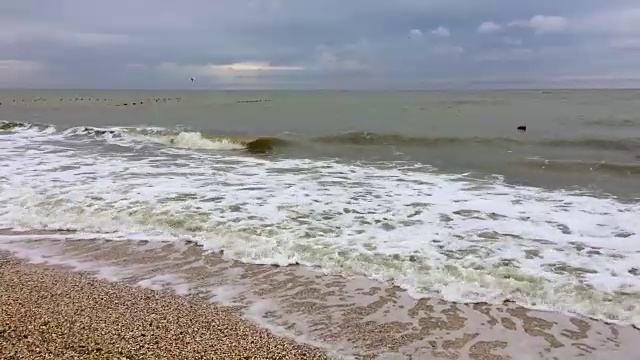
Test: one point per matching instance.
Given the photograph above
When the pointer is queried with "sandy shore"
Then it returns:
(52, 312)
(154, 300)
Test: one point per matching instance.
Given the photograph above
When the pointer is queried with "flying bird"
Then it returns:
(192, 79)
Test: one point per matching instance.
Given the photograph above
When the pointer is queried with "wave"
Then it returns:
(198, 140)
(615, 122)
(428, 232)
(185, 138)
(624, 144)
(575, 166)
(6, 125)
(11, 125)
(370, 138)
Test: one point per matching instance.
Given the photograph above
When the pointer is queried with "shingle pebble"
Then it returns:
(49, 312)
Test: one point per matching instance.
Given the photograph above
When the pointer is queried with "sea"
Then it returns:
(435, 192)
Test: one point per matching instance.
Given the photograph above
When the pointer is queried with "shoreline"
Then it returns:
(51, 311)
(346, 317)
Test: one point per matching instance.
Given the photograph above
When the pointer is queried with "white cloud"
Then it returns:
(415, 34)
(441, 32)
(225, 72)
(543, 24)
(93, 46)
(489, 27)
(251, 67)
(14, 32)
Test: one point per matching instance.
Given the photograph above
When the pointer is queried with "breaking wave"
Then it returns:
(176, 138)
(189, 139)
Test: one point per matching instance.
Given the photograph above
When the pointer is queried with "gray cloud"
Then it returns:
(309, 44)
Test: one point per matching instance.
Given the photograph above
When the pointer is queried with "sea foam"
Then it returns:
(431, 233)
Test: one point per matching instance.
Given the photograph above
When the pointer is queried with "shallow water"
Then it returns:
(436, 192)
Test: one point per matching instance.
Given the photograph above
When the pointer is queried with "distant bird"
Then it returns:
(522, 128)
(193, 79)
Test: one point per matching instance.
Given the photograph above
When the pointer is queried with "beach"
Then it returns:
(49, 312)
(381, 224)
(88, 292)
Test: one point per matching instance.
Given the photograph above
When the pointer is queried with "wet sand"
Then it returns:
(351, 317)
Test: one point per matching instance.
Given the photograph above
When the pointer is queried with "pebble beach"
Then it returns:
(53, 313)
(90, 299)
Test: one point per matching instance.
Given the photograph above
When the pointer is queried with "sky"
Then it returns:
(319, 44)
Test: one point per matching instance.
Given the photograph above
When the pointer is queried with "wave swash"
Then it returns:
(431, 233)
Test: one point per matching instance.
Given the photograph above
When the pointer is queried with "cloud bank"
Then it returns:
(360, 44)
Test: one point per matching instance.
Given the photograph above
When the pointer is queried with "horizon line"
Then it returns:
(321, 89)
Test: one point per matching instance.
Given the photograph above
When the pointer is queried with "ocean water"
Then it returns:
(436, 192)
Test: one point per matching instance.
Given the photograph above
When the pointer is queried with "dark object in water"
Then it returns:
(522, 128)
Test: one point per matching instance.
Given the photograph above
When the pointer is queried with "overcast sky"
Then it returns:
(409, 44)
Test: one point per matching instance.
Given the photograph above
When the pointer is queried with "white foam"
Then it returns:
(49, 256)
(189, 140)
(430, 233)
(166, 281)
